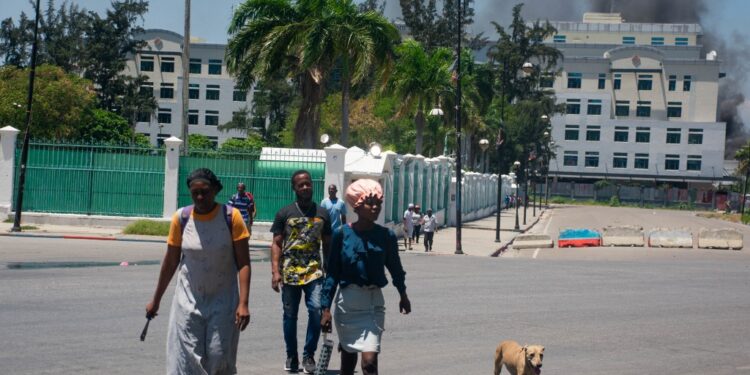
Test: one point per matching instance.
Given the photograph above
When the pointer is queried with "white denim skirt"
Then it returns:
(360, 318)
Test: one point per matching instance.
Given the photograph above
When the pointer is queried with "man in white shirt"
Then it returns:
(429, 228)
(408, 225)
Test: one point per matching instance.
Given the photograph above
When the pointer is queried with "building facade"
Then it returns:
(214, 96)
(640, 102)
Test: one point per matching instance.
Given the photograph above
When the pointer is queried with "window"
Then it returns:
(593, 133)
(694, 162)
(167, 64)
(686, 83)
(674, 109)
(592, 159)
(695, 136)
(672, 162)
(622, 108)
(194, 92)
(618, 81)
(571, 132)
(640, 161)
(680, 41)
(546, 81)
(621, 133)
(574, 80)
(672, 83)
(212, 118)
(594, 107)
(573, 107)
(643, 109)
(673, 135)
(239, 95)
(166, 91)
(165, 116)
(143, 117)
(602, 81)
(214, 67)
(193, 117)
(645, 82)
(620, 160)
(147, 63)
(214, 142)
(570, 158)
(642, 135)
(147, 88)
(559, 39)
(160, 139)
(628, 40)
(657, 40)
(212, 92)
(195, 66)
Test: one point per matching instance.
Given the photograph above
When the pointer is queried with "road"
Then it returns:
(595, 314)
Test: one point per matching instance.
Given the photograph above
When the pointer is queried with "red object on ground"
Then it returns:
(579, 242)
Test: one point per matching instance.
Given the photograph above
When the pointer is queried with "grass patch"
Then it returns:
(148, 228)
(28, 227)
(8, 220)
(615, 202)
(735, 218)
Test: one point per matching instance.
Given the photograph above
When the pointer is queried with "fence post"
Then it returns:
(8, 137)
(171, 175)
(335, 165)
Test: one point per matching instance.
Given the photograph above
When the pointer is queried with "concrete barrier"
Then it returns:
(662, 237)
(532, 241)
(720, 239)
(622, 236)
(578, 238)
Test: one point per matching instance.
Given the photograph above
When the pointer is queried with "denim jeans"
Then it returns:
(290, 297)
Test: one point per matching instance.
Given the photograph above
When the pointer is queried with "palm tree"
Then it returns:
(419, 79)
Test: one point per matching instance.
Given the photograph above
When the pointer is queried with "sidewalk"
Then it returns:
(478, 237)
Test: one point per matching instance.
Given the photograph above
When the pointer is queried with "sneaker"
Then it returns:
(292, 364)
(308, 365)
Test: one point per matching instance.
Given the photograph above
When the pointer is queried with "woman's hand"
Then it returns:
(404, 305)
(152, 308)
(325, 321)
(242, 317)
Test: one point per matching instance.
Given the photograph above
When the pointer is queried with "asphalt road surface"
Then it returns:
(596, 314)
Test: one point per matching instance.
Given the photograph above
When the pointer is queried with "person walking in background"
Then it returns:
(430, 228)
(335, 206)
(360, 253)
(245, 202)
(208, 244)
(417, 220)
(408, 226)
(298, 230)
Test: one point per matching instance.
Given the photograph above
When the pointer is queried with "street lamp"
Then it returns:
(545, 167)
(499, 142)
(549, 160)
(459, 32)
(516, 165)
(484, 144)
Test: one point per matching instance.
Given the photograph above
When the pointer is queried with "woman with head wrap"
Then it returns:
(208, 244)
(360, 253)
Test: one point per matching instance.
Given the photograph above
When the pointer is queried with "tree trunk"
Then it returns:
(345, 83)
(308, 119)
(419, 119)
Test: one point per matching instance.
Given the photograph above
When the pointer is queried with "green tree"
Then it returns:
(134, 102)
(15, 41)
(252, 145)
(273, 101)
(434, 29)
(102, 126)
(419, 79)
(63, 34)
(199, 142)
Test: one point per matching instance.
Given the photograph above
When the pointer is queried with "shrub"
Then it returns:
(614, 201)
(148, 227)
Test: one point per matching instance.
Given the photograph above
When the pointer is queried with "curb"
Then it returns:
(502, 249)
(80, 237)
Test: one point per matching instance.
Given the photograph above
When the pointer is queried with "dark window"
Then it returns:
(628, 40)
(167, 65)
(212, 92)
(571, 132)
(642, 135)
(214, 67)
(166, 91)
(674, 109)
(641, 161)
(592, 159)
(192, 117)
(546, 81)
(594, 107)
(686, 83)
(239, 95)
(147, 64)
(694, 163)
(621, 134)
(574, 80)
(195, 66)
(643, 109)
(194, 92)
(695, 137)
(620, 160)
(573, 107)
(160, 139)
(593, 133)
(212, 118)
(672, 162)
(645, 83)
(673, 136)
(144, 117)
(147, 89)
(559, 39)
(570, 158)
(618, 82)
(657, 40)
(622, 109)
(680, 41)
(602, 81)
(165, 116)
(672, 83)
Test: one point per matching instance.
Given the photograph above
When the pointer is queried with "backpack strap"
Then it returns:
(226, 211)
(185, 216)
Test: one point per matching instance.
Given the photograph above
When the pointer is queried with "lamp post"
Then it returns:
(499, 142)
(549, 160)
(516, 165)
(484, 144)
(459, 16)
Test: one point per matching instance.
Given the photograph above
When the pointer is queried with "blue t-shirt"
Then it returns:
(335, 210)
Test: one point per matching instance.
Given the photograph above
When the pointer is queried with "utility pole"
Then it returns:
(186, 79)
(459, 19)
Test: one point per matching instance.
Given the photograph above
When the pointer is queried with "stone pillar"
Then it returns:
(8, 137)
(427, 198)
(399, 184)
(171, 175)
(335, 165)
(388, 186)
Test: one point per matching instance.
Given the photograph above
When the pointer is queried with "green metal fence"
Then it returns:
(92, 179)
(268, 180)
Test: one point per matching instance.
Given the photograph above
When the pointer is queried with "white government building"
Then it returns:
(640, 101)
(213, 94)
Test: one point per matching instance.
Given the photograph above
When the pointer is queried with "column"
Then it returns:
(335, 164)
(8, 137)
(171, 175)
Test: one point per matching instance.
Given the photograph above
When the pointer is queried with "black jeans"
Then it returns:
(415, 234)
(428, 240)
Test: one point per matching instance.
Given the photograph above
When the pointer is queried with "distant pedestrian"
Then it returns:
(207, 242)
(507, 201)
(335, 206)
(297, 267)
(430, 228)
(245, 203)
(360, 253)
(408, 225)
(417, 220)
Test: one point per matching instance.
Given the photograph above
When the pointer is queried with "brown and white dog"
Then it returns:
(519, 360)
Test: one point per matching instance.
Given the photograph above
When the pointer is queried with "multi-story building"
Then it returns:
(214, 96)
(640, 102)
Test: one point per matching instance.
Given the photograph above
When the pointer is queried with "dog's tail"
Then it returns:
(498, 359)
